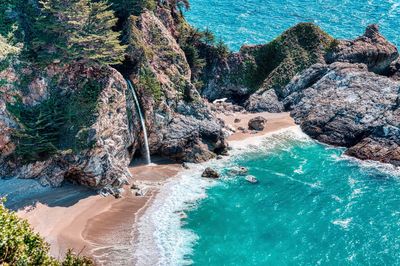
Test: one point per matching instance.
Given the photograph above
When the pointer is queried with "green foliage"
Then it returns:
(6, 19)
(19, 245)
(40, 127)
(125, 8)
(71, 259)
(333, 46)
(69, 31)
(79, 113)
(192, 41)
(149, 82)
(56, 124)
(274, 64)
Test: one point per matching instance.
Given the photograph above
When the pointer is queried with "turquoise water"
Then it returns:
(312, 206)
(257, 21)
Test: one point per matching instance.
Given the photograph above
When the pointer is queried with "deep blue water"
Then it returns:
(312, 206)
(239, 22)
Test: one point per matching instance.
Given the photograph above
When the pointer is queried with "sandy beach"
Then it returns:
(104, 227)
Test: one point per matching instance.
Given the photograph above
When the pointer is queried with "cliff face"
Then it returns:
(79, 122)
(67, 124)
(180, 124)
(353, 100)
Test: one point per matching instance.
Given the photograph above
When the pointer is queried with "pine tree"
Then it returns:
(96, 40)
(71, 30)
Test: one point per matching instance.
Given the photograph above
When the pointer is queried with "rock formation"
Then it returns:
(346, 105)
(210, 173)
(92, 153)
(257, 123)
(96, 132)
(371, 49)
(255, 76)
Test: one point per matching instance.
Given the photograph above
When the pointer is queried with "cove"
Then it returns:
(312, 206)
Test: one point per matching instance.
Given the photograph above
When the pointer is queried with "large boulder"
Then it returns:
(347, 105)
(266, 101)
(257, 123)
(371, 49)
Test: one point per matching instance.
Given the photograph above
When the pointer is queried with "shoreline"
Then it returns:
(107, 229)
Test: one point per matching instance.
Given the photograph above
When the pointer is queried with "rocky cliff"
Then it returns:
(78, 122)
(341, 92)
(68, 123)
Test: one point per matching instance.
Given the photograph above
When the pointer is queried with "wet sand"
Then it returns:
(104, 227)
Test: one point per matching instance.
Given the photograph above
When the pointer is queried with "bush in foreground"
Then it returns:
(19, 245)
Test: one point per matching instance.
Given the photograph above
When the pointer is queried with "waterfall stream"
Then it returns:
(142, 122)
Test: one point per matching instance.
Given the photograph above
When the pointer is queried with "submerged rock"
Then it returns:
(210, 173)
(251, 179)
(238, 171)
(257, 123)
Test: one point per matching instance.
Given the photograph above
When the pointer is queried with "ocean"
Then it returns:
(312, 206)
(239, 22)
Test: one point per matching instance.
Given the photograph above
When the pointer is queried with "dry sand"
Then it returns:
(104, 227)
(275, 122)
(97, 226)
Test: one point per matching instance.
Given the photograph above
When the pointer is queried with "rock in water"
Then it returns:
(251, 179)
(238, 171)
(257, 123)
(210, 173)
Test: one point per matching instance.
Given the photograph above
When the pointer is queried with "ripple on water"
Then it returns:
(240, 22)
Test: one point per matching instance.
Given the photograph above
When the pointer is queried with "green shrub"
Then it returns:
(275, 63)
(56, 124)
(19, 245)
(149, 82)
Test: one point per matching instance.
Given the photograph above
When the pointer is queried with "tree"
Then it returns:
(19, 245)
(125, 8)
(73, 30)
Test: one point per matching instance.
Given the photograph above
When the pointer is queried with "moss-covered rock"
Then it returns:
(256, 69)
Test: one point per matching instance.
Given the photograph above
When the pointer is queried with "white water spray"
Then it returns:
(142, 122)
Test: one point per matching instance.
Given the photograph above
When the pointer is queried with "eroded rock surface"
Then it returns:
(371, 49)
(347, 105)
(102, 159)
(257, 123)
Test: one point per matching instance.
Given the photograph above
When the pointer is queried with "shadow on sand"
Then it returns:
(22, 193)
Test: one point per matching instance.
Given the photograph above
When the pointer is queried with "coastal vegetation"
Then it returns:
(20, 245)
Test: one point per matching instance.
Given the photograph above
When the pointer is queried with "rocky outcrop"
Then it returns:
(265, 101)
(181, 125)
(371, 49)
(92, 153)
(210, 173)
(347, 105)
(257, 123)
(256, 75)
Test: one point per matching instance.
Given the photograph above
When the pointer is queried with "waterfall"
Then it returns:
(142, 122)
